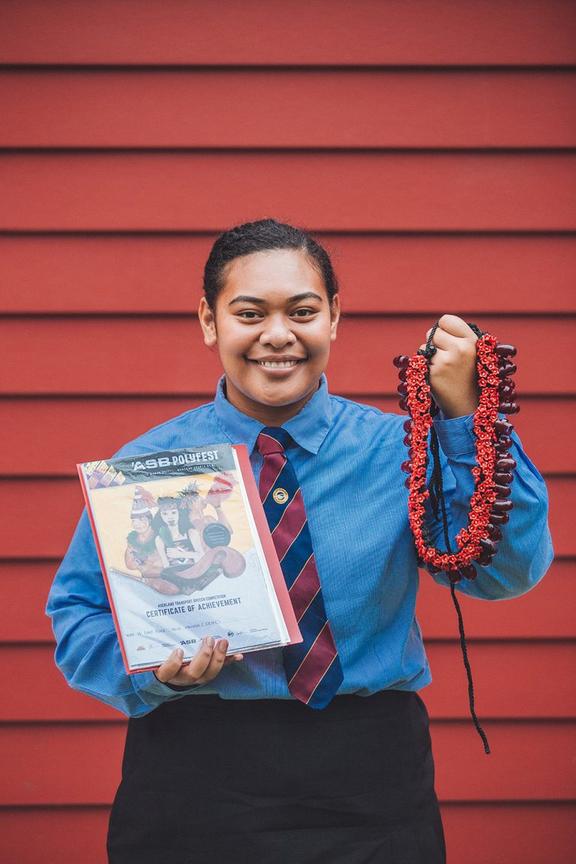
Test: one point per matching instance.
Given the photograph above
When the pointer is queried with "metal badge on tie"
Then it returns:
(280, 495)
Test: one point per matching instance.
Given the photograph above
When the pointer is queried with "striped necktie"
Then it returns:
(313, 669)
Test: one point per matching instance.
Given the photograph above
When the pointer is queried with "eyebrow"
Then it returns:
(244, 298)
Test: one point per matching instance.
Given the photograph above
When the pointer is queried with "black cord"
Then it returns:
(438, 504)
(464, 649)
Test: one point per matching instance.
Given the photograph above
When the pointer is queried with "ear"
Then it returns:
(334, 316)
(208, 323)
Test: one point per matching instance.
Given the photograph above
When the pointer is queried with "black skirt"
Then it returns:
(273, 782)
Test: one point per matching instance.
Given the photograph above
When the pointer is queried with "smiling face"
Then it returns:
(141, 523)
(170, 515)
(273, 325)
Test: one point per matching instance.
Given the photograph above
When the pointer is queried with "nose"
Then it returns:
(277, 332)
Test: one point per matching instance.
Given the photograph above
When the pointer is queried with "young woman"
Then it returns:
(222, 762)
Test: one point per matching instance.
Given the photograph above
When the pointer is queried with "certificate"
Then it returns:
(185, 553)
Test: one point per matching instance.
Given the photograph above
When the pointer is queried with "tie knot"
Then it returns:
(273, 439)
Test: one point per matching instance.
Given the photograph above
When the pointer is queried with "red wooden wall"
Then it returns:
(431, 144)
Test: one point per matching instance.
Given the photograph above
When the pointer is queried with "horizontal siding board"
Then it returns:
(529, 761)
(423, 32)
(474, 274)
(41, 763)
(121, 356)
(512, 680)
(36, 762)
(523, 680)
(375, 108)
(24, 588)
(41, 693)
(512, 833)
(546, 612)
(66, 835)
(61, 501)
(75, 429)
(369, 191)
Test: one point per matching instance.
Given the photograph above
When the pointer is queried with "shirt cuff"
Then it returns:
(149, 683)
(456, 435)
(186, 689)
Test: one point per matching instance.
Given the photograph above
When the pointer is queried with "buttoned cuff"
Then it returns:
(456, 435)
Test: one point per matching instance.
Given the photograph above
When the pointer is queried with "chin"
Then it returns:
(272, 395)
(283, 400)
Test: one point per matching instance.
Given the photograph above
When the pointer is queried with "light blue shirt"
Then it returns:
(347, 461)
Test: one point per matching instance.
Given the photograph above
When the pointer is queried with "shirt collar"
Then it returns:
(308, 428)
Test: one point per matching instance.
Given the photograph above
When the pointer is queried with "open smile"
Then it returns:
(288, 363)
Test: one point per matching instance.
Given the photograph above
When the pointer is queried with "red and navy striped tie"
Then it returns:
(312, 667)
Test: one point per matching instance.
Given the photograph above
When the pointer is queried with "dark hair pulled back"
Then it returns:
(262, 236)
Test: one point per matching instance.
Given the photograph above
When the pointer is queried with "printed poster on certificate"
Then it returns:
(186, 552)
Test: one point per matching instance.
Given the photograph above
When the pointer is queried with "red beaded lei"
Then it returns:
(477, 541)
(490, 504)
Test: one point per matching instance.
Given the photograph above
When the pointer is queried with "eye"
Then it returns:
(248, 314)
(304, 312)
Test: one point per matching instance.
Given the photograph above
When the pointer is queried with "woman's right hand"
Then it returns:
(206, 664)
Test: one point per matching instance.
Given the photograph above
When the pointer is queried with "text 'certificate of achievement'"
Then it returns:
(186, 552)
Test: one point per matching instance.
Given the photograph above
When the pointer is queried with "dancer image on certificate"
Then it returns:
(142, 555)
(193, 546)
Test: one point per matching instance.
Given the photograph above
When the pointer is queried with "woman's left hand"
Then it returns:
(453, 367)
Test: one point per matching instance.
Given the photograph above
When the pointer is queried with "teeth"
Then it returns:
(277, 364)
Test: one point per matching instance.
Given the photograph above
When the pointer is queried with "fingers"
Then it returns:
(453, 367)
(455, 326)
(207, 662)
(450, 330)
(203, 667)
(171, 666)
(203, 660)
(443, 340)
(216, 660)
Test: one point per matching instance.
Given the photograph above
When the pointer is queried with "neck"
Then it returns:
(268, 415)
